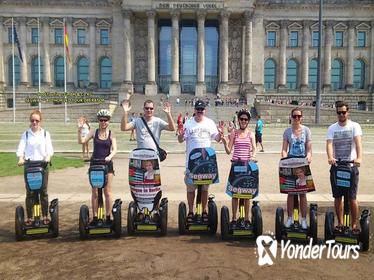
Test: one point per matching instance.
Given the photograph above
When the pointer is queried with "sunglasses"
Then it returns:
(244, 119)
(297, 116)
(148, 108)
(103, 120)
(37, 121)
(341, 112)
(200, 110)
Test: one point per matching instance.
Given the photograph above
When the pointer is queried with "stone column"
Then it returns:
(223, 88)
(327, 57)
(69, 72)
(93, 65)
(118, 60)
(248, 46)
(200, 86)
(22, 37)
(350, 56)
(151, 86)
(371, 72)
(175, 87)
(127, 87)
(247, 87)
(305, 57)
(282, 57)
(46, 52)
(2, 74)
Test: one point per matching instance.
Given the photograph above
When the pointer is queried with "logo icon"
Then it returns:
(266, 249)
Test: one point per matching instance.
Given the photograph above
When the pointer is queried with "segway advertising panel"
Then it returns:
(295, 176)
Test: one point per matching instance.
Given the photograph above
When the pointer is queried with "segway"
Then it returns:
(343, 176)
(242, 184)
(203, 170)
(35, 176)
(288, 185)
(98, 177)
(146, 213)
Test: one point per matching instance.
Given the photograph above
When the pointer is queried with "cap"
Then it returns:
(199, 104)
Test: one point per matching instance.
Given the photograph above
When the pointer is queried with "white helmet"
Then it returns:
(103, 113)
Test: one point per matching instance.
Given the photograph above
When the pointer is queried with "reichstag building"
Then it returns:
(264, 49)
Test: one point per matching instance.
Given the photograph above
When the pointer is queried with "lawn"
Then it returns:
(8, 164)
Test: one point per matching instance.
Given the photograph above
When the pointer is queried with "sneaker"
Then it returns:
(304, 224)
(233, 224)
(289, 222)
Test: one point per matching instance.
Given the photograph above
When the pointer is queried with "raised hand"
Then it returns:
(166, 107)
(126, 105)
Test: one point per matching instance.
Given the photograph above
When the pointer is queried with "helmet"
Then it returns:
(103, 113)
(244, 112)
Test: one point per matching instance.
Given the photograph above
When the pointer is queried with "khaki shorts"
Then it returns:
(192, 188)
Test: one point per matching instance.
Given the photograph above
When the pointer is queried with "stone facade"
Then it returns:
(243, 47)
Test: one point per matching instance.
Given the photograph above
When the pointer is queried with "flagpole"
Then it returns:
(14, 80)
(40, 104)
(65, 108)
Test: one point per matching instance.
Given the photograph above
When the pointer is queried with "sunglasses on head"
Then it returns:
(341, 112)
(148, 108)
(103, 120)
(297, 116)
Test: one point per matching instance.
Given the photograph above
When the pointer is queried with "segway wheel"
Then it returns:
(117, 220)
(84, 216)
(279, 219)
(257, 220)
(225, 223)
(329, 225)
(55, 220)
(212, 217)
(313, 222)
(131, 216)
(365, 232)
(182, 216)
(19, 221)
(164, 220)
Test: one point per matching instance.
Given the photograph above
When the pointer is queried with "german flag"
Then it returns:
(66, 43)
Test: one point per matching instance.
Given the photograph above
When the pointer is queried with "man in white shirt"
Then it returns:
(198, 133)
(344, 143)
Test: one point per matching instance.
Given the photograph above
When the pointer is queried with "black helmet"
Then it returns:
(244, 112)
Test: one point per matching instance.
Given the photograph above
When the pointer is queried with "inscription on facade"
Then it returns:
(187, 5)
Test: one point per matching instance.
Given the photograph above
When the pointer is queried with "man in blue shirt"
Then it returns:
(259, 129)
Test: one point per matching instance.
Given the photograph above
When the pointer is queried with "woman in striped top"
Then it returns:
(244, 143)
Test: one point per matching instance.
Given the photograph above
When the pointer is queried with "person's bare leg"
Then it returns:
(303, 205)
(354, 212)
(190, 200)
(204, 200)
(108, 195)
(234, 208)
(339, 210)
(290, 205)
(94, 202)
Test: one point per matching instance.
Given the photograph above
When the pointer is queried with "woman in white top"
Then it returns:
(36, 145)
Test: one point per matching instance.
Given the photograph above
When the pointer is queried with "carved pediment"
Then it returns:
(272, 26)
(80, 23)
(340, 26)
(56, 23)
(103, 23)
(295, 25)
(314, 26)
(363, 26)
(32, 22)
(8, 22)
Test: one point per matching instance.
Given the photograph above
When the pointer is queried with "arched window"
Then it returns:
(59, 71)
(82, 71)
(313, 65)
(336, 74)
(270, 74)
(35, 71)
(292, 74)
(105, 73)
(359, 74)
(17, 72)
